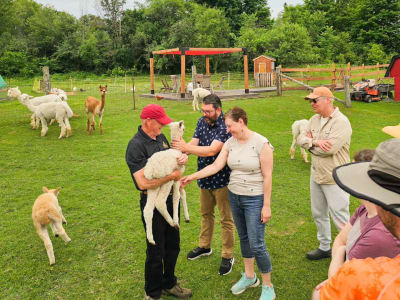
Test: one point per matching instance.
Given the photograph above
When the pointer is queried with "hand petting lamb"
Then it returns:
(159, 165)
(298, 127)
(198, 95)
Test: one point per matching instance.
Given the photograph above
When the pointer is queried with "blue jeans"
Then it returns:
(246, 211)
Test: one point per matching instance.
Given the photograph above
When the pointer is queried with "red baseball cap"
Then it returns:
(155, 112)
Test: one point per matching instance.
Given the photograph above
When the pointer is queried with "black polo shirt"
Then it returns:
(140, 148)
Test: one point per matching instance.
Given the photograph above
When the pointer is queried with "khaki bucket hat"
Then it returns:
(377, 181)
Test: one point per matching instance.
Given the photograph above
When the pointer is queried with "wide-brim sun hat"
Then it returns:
(377, 181)
(394, 131)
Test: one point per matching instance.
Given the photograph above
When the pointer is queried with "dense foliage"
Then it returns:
(318, 31)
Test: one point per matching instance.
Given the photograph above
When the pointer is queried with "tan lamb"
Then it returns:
(95, 107)
(46, 211)
(298, 127)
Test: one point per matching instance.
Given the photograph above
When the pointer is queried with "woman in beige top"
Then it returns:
(250, 157)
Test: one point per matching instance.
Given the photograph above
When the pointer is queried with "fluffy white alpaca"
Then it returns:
(52, 110)
(198, 95)
(298, 127)
(159, 165)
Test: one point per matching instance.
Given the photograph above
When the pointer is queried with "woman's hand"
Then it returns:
(182, 160)
(186, 180)
(265, 214)
(176, 175)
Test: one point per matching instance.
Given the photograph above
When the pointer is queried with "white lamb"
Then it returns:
(159, 165)
(198, 95)
(298, 127)
(52, 110)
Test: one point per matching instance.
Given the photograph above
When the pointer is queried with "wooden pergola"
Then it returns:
(198, 51)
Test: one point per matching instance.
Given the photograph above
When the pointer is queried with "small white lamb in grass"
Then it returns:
(59, 92)
(298, 127)
(159, 165)
(198, 95)
(52, 110)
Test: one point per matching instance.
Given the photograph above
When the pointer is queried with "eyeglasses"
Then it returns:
(314, 100)
(207, 112)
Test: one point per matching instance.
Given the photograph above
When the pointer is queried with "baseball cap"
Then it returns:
(377, 181)
(320, 92)
(155, 112)
(394, 131)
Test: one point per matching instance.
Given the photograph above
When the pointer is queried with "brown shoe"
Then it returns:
(178, 292)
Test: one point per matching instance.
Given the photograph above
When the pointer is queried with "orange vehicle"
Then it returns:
(368, 91)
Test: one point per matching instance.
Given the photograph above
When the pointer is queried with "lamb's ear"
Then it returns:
(45, 189)
(181, 123)
(57, 190)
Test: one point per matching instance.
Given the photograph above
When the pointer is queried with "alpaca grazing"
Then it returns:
(47, 211)
(159, 165)
(198, 95)
(298, 127)
(96, 107)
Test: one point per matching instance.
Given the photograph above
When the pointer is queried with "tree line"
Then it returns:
(317, 31)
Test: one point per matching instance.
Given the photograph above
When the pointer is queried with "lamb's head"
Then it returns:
(24, 98)
(177, 129)
(13, 92)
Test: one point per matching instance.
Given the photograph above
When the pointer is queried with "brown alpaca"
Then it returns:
(95, 107)
(46, 211)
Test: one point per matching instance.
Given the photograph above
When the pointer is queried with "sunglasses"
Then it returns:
(314, 100)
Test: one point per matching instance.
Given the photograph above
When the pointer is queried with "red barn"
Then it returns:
(394, 71)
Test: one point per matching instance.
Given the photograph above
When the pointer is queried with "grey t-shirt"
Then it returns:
(244, 160)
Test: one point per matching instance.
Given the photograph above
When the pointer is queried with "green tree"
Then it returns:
(113, 11)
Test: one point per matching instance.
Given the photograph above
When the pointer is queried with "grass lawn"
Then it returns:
(105, 259)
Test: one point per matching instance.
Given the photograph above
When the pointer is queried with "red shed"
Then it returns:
(263, 64)
(394, 71)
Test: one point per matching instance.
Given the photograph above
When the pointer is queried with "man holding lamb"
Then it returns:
(160, 258)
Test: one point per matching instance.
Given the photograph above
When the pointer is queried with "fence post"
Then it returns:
(229, 78)
(347, 91)
(333, 85)
(308, 74)
(133, 92)
(125, 82)
(349, 71)
(278, 81)
(379, 75)
(363, 71)
(46, 79)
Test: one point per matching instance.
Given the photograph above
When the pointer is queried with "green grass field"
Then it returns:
(105, 259)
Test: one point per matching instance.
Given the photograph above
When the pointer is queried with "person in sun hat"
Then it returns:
(328, 140)
(394, 131)
(161, 258)
(378, 182)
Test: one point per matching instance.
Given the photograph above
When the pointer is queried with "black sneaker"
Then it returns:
(226, 266)
(318, 254)
(198, 252)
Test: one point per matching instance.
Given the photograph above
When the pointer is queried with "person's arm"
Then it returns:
(266, 162)
(193, 147)
(216, 166)
(339, 250)
(144, 184)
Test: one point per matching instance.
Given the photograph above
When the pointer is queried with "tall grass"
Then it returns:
(105, 259)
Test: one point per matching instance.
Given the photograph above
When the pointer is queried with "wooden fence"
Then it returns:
(335, 76)
(265, 79)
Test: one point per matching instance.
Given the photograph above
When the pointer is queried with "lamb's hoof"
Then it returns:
(152, 242)
(67, 241)
(176, 226)
(64, 222)
(187, 221)
(52, 262)
(56, 235)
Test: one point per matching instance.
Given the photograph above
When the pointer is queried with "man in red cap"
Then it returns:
(160, 258)
(328, 140)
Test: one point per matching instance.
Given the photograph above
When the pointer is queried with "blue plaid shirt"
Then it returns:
(206, 135)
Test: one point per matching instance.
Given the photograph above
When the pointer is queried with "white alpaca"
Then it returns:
(198, 95)
(52, 110)
(298, 127)
(159, 165)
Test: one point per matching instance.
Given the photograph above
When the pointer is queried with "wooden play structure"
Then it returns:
(264, 74)
(394, 71)
(183, 52)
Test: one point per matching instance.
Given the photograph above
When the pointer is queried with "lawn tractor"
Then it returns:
(368, 91)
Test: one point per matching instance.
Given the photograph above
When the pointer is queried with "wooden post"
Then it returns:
(333, 84)
(125, 83)
(379, 75)
(183, 63)
(347, 91)
(308, 74)
(133, 92)
(278, 81)
(207, 65)
(246, 71)
(70, 80)
(194, 74)
(349, 71)
(363, 71)
(46, 79)
(152, 73)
